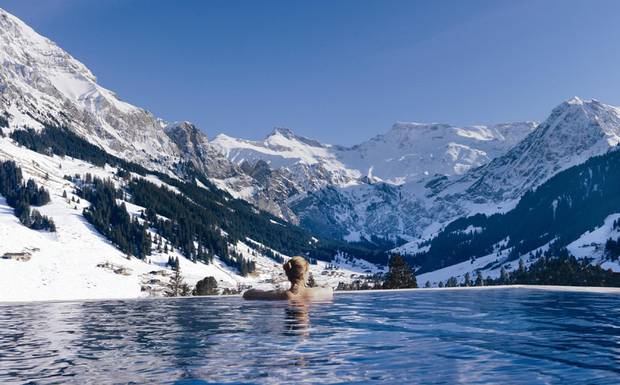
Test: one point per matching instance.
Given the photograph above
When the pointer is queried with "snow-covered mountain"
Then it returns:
(575, 131)
(574, 211)
(409, 151)
(412, 151)
(284, 174)
(77, 262)
(359, 191)
(42, 83)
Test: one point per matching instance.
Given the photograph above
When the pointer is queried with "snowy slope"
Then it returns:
(76, 262)
(590, 245)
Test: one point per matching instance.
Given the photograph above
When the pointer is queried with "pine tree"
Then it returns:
(177, 287)
(400, 275)
(503, 276)
(467, 281)
(479, 279)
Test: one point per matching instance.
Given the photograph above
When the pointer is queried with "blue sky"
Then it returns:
(339, 71)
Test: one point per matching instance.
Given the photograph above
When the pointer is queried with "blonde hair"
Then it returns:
(296, 270)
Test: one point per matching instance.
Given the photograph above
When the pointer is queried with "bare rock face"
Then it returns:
(194, 146)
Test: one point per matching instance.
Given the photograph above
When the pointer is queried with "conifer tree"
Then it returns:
(467, 280)
(400, 275)
(479, 279)
(177, 286)
(503, 276)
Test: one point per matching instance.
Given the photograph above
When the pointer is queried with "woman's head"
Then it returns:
(296, 269)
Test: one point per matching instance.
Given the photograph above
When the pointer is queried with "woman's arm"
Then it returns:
(273, 295)
(320, 293)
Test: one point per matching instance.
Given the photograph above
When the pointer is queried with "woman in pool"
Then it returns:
(296, 270)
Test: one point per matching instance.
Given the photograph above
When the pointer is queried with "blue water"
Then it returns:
(502, 336)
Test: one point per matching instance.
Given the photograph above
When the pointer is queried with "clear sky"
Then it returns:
(339, 71)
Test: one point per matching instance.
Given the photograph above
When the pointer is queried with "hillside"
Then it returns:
(76, 261)
(575, 209)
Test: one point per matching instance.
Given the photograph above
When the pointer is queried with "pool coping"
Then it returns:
(581, 289)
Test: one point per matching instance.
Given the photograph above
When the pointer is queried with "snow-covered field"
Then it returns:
(76, 262)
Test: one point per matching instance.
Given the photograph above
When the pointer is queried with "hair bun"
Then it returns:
(287, 266)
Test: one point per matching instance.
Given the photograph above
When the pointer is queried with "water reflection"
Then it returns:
(504, 336)
(296, 319)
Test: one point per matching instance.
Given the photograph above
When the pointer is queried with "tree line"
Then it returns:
(21, 196)
(112, 219)
(555, 270)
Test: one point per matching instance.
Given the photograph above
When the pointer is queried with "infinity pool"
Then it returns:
(503, 336)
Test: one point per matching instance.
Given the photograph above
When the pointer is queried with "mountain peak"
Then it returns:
(275, 137)
(284, 131)
(20, 41)
(185, 125)
(588, 104)
(575, 131)
(590, 109)
(411, 126)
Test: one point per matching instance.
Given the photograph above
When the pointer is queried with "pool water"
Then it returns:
(501, 336)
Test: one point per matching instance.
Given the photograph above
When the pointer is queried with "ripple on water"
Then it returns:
(443, 337)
